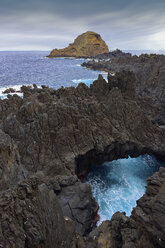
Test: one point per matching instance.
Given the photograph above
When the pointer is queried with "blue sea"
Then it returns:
(27, 68)
(116, 185)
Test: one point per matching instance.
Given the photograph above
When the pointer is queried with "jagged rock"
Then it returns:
(79, 205)
(11, 170)
(125, 81)
(9, 90)
(149, 71)
(31, 217)
(146, 225)
(103, 122)
(59, 133)
(113, 54)
(149, 215)
(85, 45)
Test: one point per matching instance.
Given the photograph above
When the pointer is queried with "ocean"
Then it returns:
(117, 185)
(27, 68)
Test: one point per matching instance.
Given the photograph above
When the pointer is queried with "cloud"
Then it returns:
(40, 24)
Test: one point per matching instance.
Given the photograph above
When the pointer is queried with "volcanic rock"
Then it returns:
(149, 72)
(11, 170)
(99, 123)
(48, 137)
(85, 45)
(31, 217)
(146, 225)
(9, 90)
(110, 55)
(77, 203)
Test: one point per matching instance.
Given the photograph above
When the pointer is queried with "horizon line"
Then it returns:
(38, 50)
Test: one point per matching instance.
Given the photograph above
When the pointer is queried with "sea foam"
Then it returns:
(118, 184)
(15, 87)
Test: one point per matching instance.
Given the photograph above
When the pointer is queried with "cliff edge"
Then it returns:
(85, 45)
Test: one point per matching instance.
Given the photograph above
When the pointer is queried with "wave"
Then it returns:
(118, 184)
(15, 87)
(86, 81)
(89, 81)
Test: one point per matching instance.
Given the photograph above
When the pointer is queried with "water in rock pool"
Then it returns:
(118, 184)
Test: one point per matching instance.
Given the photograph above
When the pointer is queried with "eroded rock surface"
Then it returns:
(31, 217)
(85, 45)
(11, 170)
(149, 71)
(76, 201)
(145, 227)
(113, 54)
(49, 136)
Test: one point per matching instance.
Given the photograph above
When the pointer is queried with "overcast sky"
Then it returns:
(46, 24)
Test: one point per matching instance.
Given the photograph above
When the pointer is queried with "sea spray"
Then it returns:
(118, 184)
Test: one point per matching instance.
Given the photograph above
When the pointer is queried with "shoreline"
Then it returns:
(102, 122)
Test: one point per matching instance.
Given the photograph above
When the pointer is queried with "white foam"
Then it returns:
(118, 184)
(86, 81)
(104, 73)
(89, 80)
(15, 87)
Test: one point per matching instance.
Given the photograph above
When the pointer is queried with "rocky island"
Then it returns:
(85, 45)
(50, 139)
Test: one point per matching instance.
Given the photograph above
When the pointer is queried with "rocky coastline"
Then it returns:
(113, 54)
(51, 138)
(149, 72)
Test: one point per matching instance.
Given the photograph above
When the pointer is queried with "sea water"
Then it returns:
(27, 68)
(118, 184)
(33, 67)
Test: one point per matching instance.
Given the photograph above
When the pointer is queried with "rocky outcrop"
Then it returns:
(31, 217)
(11, 170)
(85, 45)
(149, 71)
(41, 120)
(110, 55)
(145, 227)
(77, 202)
(9, 90)
(102, 122)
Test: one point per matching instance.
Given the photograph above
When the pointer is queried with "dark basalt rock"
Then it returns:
(56, 134)
(11, 170)
(26, 213)
(113, 54)
(31, 213)
(78, 204)
(149, 71)
(145, 227)
(100, 119)
(9, 90)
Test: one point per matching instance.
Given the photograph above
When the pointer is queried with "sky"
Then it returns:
(48, 24)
